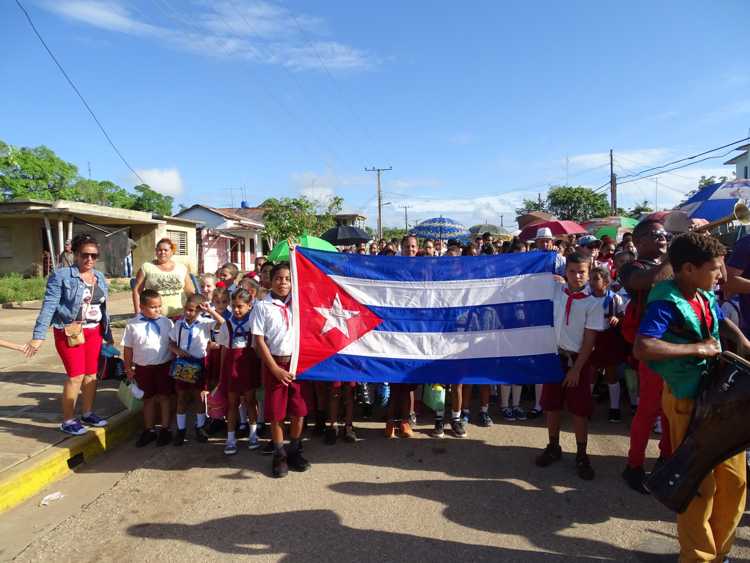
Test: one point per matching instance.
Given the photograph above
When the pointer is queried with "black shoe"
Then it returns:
(267, 449)
(200, 434)
(413, 419)
(635, 477)
(614, 415)
(296, 462)
(243, 431)
(330, 436)
(216, 426)
(179, 437)
(550, 455)
(164, 437)
(458, 427)
(262, 430)
(146, 437)
(583, 468)
(320, 424)
(485, 420)
(279, 467)
(439, 430)
(657, 464)
(534, 413)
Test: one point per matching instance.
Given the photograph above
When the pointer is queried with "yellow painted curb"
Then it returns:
(28, 478)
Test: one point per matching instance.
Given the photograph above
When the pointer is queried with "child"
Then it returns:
(215, 358)
(189, 338)
(335, 396)
(265, 275)
(514, 412)
(284, 394)
(485, 420)
(577, 319)
(678, 332)
(251, 286)
(208, 286)
(457, 425)
(11, 345)
(227, 275)
(147, 359)
(609, 349)
(241, 371)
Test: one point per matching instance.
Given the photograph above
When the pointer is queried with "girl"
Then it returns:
(189, 339)
(208, 286)
(215, 357)
(227, 275)
(265, 275)
(241, 370)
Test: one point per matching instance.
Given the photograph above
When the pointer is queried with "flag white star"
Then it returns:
(336, 316)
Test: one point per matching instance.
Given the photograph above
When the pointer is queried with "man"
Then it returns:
(67, 258)
(589, 246)
(545, 241)
(438, 247)
(454, 248)
(638, 277)
(429, 247)
(738, 279)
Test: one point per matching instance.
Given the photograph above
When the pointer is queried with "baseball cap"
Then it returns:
(588, 240)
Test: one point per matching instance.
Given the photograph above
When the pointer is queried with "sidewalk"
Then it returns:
(30, 392)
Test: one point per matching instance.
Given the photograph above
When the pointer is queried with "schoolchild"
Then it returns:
(208, 286)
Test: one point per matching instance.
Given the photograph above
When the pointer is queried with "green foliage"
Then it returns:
(14, 287)
(34, 173)
(103, 193)
(149, 200)
(293, 217)
(530, 205)
(639, 209)
(390, 233)
(569, 203)
(710, 180)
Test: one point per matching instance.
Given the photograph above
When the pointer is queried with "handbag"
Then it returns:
(127, 398)
(74, 331)
(111, 367)
(188, 370)
(434, 397)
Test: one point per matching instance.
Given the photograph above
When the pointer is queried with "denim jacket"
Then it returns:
(62, 301)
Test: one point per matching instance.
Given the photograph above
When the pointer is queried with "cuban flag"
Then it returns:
(717, 200)
(485, 319)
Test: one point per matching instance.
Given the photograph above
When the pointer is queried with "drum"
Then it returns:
(718, 430)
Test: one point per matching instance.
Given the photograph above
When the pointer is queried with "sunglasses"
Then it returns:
(92, 255)
(659, 234)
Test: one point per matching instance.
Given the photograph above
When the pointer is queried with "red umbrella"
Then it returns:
(557, 228)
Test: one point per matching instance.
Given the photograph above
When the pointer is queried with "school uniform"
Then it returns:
(272, 319)
(573, 313)
(610, 348)
(241, 369)
(149, 339)
(192, 338)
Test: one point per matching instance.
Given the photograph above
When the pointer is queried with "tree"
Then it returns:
(530, 205)
(149, 200)
(710, 181)
(569, 203)
(103, 193)
(292, 217)
(390, 233)
(640, 209)
(35, 173)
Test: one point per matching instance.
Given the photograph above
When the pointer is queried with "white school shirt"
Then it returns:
(149, 347)
(241, 332)
(198, 335)
(618, 309)
(584, 313)
(269, 321)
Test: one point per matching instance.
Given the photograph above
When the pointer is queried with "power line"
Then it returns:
(78, 92)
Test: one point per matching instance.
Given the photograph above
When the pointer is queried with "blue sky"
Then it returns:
(476, 105)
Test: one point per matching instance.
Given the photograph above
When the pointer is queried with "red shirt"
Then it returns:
(701, 308)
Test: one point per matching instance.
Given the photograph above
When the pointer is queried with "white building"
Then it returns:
(742, 163)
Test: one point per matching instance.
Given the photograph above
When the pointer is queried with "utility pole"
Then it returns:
(406, 216)
(612, 183)
(656, 194)
(89, 163)
(379, 171)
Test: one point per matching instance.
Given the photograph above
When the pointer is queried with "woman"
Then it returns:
(76, 302)
(172, 280)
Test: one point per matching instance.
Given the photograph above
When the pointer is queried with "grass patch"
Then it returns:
(13, 287)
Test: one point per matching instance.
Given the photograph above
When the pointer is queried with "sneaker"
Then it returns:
(550, 455)
(508, 414)
(534, 413)
(94, 420)
(179, 437)
(262, 430)
(74, 428)
(583, 468)
(279, 466)
(458, 428)
(243, 431)
(390, 429)
(330, 436)
(349, 435)
(230, 448)
(164, 437)
(635, 478)
(519, 413)
(267, 449)
(296, 462)
(404, 430)
(439, 430)
(413, 419)
(200, 434)
(253, 443)
(465, 416)
(320, 424)
(146, 437)
(614, 415)
(485, 420)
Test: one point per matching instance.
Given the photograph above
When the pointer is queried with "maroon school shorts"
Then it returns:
(341, 384)
(577, 399)
(213, 368)
(282, 400)
(241, 370)
(154, 380)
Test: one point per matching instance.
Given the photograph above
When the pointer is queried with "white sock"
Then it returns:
(485, 408)
(455, 414)
(614, 395)
(231, 439)
(182, 421)
(517, 395)
(537, 396)
(88, 414)
(504, 396)
(243, 415)
(253, 430)
(200, 420)
(466, 411)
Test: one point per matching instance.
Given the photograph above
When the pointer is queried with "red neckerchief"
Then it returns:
(284, 308)
(572, 295)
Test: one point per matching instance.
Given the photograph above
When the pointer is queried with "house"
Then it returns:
(227, 234)
(350, 220)
(742, 162)
(33, 232)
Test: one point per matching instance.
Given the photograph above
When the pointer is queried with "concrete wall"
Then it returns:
(208, 218)
(26, 244)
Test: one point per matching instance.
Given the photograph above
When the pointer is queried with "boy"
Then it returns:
(578, 319)
(147, 358)
(284, 395)
(679, 331)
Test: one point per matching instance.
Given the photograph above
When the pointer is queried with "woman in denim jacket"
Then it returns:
(76, 294)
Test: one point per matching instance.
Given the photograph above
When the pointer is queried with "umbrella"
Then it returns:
(343, 235)
(557, 228)
(717, 200)
(280, 252)
(487, 228)
(613, 227)
(439, 228)
(533, 217)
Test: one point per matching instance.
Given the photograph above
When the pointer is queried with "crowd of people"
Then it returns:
(620, 312)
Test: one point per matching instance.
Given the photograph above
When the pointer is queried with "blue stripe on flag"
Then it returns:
(542, 368)
(424, 269)
(465, 319)
(714, 209)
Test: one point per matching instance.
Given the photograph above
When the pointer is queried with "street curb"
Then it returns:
(22, 304)
(28, 478)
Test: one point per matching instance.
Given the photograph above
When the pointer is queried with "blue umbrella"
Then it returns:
(439, 228)
(717, 200)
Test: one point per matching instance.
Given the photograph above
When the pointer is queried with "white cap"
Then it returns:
(544, 232)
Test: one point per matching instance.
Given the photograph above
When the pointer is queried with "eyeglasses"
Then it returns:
(659, 234)
(87, 255)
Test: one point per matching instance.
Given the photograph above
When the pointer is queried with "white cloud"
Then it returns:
(641, 157)
(257, 31)
(165, 180)
(413, 183)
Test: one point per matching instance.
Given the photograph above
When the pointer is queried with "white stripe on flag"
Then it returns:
(455, 345)
(454, 293)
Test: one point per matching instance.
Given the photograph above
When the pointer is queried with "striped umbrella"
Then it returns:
(439, 228)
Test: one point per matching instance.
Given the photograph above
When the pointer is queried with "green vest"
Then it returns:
(683, 375)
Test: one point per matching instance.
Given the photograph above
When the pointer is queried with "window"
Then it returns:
(6, 249)
(180, 239)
